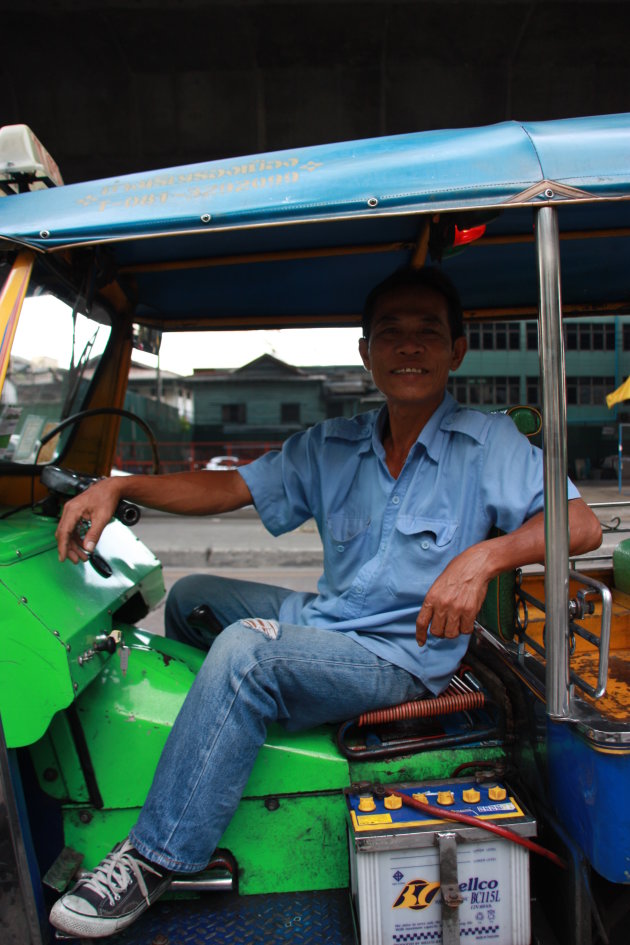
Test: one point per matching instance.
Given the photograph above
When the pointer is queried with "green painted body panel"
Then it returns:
(52, 613)
(127, 719)
(57, 763)
(302, 845)
(621, 566)
(23, 535)
(289, 831)
(34, 677)
(424, 765)
(294, 763)
(94, 832)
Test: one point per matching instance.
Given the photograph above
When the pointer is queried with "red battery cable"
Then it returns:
(443, 814)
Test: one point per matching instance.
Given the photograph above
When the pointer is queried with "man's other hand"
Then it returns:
(455, 597)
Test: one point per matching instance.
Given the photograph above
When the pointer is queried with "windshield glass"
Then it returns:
(54, 355)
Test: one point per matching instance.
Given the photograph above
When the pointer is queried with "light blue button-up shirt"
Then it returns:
(386, 540)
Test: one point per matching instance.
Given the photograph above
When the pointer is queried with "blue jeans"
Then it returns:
(256, 672)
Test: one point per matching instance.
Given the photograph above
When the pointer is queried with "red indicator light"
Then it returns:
(468, 236)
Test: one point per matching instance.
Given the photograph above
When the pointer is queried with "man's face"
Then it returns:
(410, 351)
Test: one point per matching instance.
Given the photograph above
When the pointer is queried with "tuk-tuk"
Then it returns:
(513, 826)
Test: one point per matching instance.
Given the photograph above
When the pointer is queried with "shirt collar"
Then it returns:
(432, 434)
(358, 429)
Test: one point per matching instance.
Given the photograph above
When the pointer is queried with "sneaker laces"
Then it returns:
(113, 876)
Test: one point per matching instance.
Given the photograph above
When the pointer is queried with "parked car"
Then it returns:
(224, 463)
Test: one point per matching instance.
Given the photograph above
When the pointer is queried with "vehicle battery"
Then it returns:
(401, 861)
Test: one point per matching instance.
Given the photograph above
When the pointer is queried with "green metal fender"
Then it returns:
(52, 613)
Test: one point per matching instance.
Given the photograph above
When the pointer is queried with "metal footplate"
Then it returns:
(303, 918)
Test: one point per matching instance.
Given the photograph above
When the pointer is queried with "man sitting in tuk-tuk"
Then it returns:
(404, 498)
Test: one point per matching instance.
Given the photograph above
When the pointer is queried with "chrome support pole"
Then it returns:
(555, 463)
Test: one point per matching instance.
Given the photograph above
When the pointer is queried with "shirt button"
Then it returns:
(396, 499)
(425, 544)
(340, 548)
(359, 589)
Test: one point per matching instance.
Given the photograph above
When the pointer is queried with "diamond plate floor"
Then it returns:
(312, 918)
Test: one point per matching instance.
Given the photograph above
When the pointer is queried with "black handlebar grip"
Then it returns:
(127, 513)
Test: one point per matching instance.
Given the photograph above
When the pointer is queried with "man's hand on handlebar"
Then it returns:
(83, 519)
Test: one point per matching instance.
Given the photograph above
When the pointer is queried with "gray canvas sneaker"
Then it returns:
(112, 896)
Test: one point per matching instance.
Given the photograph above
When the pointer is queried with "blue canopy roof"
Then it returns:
(365, 200)
(441, 170)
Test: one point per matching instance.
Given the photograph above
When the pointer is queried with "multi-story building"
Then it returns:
(502, 367)
(248, 409)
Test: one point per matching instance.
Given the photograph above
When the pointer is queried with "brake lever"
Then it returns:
(99, 564)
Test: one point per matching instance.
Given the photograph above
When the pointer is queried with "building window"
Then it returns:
(532, 336)
(290, 413)
(532, 388)
(494, 336)
(590, 336)
(234, 413)
(588, 391)
(485, 391)
(626, 337)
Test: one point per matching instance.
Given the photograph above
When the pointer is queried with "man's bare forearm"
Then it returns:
(189, 493)
(526, 545)
(193, 493)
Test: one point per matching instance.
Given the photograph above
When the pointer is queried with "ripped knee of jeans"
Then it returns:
(270, 628)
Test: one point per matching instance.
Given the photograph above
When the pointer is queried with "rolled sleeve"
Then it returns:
(281, 484)
(513, 477)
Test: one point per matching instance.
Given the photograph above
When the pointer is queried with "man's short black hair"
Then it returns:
(427, 278)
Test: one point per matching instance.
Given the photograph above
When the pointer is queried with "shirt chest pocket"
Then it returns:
(422, 549)
(346, 545)
(344, 528)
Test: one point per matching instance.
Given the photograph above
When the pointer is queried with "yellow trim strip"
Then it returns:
(11, 298)
(600, 750)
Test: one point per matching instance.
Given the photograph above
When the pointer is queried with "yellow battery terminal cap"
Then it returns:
(497, 793)
(392, 802)
(420, 797)
(445, 798)
(366, 802)
(471, 796)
